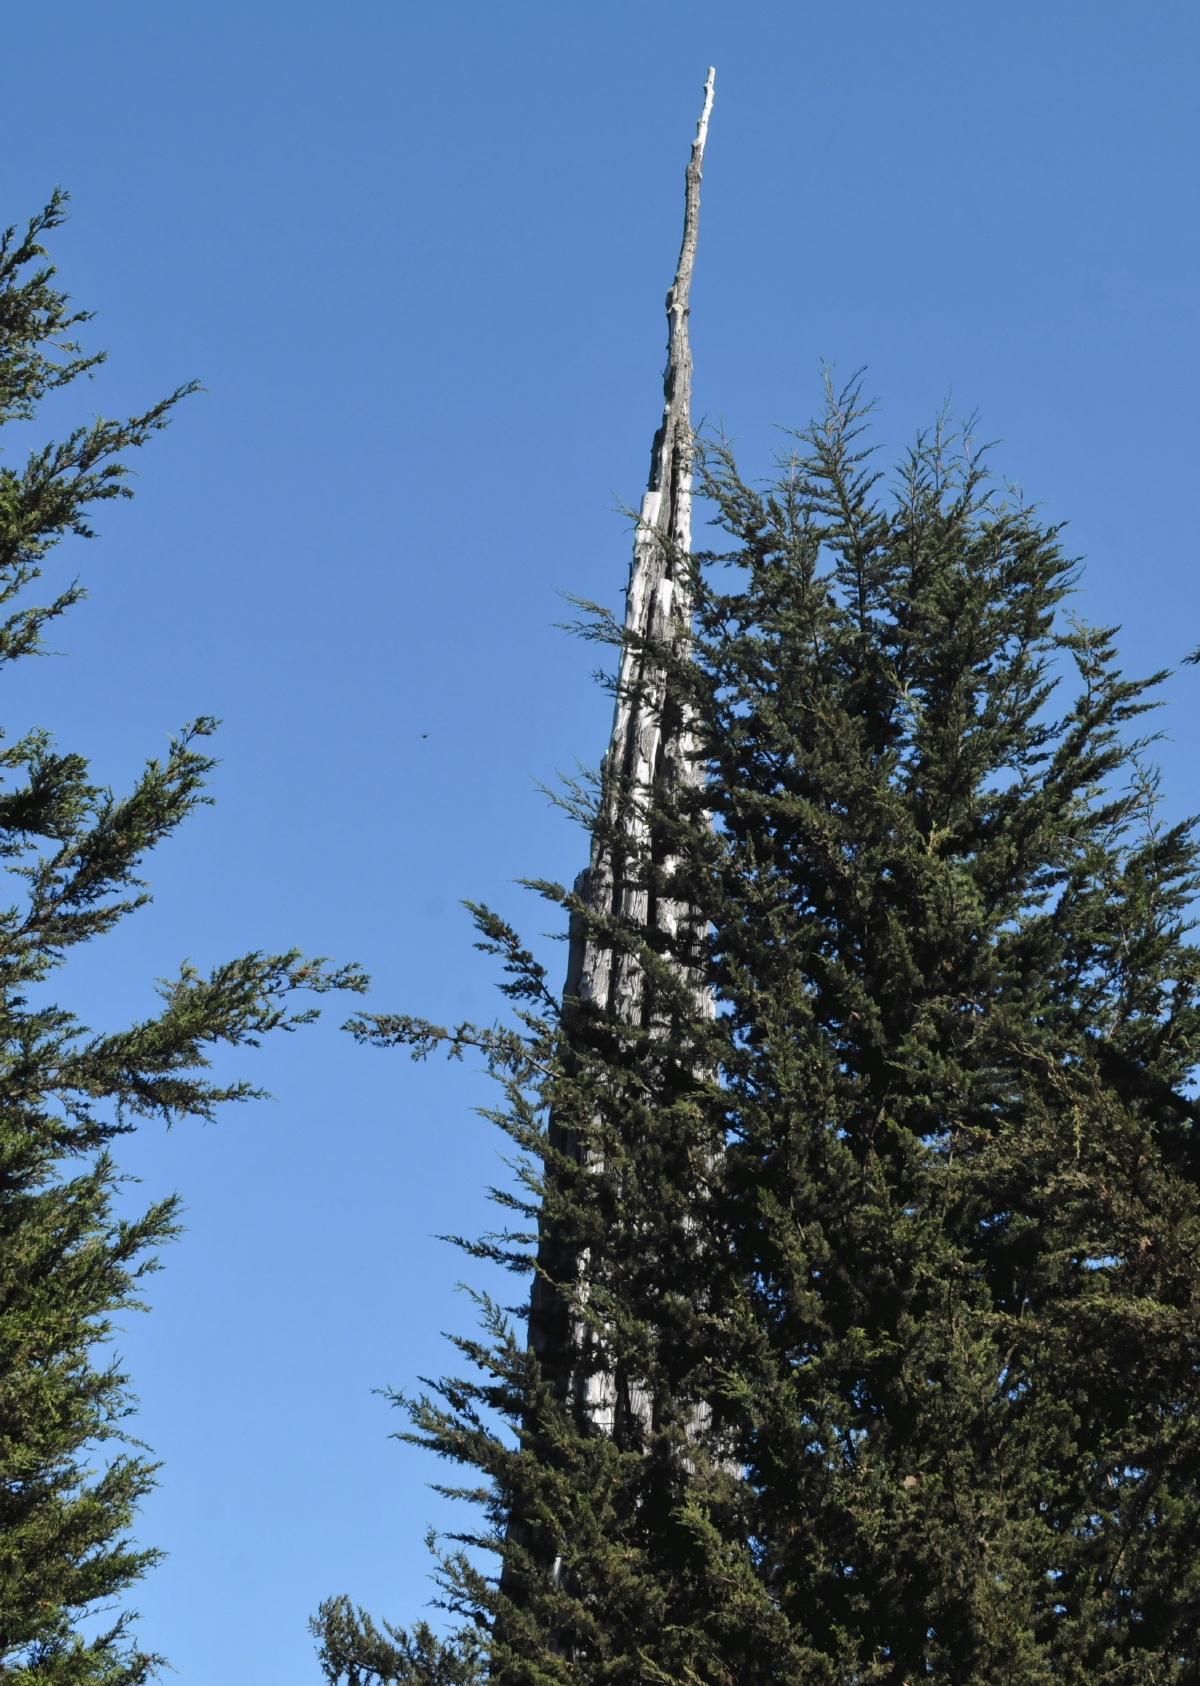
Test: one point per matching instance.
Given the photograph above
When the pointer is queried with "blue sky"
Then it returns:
(417, 256)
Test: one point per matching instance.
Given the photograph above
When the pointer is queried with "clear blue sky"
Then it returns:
(417, 255)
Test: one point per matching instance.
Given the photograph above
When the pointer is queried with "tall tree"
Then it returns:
(950, 933)
(68, 1263)
(901, 1246)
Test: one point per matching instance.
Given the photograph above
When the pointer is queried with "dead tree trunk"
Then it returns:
(648, 753)
(648, 745)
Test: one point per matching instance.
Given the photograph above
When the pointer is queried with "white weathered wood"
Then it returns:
(658, 608)
(642, 750)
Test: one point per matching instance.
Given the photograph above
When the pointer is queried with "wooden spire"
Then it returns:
(649, 740)
(648, 751)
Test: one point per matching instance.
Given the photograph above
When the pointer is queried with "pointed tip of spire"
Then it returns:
(702, 126)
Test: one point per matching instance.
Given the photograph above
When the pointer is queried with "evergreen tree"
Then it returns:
(902, 1246)
(952, 935)
(68, 1263)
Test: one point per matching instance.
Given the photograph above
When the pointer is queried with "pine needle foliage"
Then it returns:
(902, 1246)
(70, 1478)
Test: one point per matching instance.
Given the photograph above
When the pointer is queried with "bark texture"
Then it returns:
(649, 751)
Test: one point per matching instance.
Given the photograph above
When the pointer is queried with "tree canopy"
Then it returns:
(894, 1260)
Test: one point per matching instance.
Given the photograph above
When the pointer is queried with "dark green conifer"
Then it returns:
(903, 1245)
(951, 935)
(69, 1478)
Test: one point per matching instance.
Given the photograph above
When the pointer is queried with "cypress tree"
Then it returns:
(70, 1478)
(903, 1245)
(951, 932)
(890, 1268)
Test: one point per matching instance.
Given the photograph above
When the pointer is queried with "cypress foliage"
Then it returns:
(902, 1247)
(67, 1262)
(951, 934)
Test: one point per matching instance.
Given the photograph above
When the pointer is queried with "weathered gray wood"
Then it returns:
(644, 745)
(648, 743)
